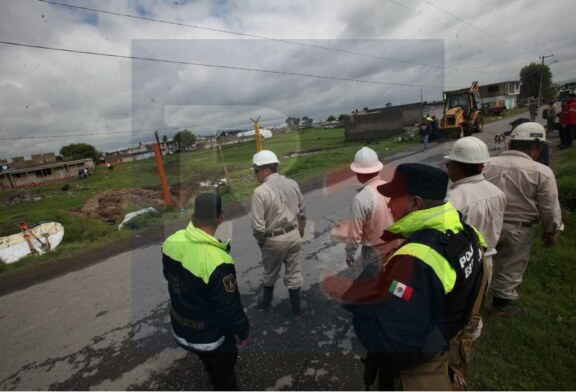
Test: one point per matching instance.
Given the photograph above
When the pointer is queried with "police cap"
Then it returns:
(416, 179)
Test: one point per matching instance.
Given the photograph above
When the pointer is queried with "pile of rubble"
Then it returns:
(111, 206)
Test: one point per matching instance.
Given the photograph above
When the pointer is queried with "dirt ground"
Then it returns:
(111, 206)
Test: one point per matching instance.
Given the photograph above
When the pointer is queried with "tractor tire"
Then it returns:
(479, 124)
(468, 128)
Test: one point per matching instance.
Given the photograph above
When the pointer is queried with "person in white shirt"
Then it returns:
(481, 203)
(531, 198)
(369, 214)
(278, 224)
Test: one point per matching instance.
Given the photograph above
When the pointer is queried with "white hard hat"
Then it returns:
(529, 131)
(264, 157)
(469, 150)
(366, 161)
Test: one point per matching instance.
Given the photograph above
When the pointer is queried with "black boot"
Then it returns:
(500, 302)
(503, 307)
(297, 310)
(265, 302)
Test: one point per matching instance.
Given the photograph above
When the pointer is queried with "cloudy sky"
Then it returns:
(111, 72)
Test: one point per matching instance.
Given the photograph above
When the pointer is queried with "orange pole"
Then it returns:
(163, 183)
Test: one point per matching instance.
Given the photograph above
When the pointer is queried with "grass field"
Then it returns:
(535, 351)
(305, 155)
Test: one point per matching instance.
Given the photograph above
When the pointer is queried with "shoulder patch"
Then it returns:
(229, 282)
(400, 290)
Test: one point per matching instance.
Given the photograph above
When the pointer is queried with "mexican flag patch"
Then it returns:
(400, 290)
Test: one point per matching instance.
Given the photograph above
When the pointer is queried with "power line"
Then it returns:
(215, 65)
(262, 37)
(69, 135)
(477, 28)
(200, 127)
(448, 25)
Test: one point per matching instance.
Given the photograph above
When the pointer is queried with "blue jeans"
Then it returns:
(425, 141)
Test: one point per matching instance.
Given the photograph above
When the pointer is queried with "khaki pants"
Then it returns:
(283, 250)
(514, 248)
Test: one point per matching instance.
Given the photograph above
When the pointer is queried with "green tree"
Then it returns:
(165, 139)
(184, 139)
(77, 151)
(331, 118)
(292, 122)
(530, 80)
(307, 122)
(342, 117)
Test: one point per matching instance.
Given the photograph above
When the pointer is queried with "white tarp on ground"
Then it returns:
(265, 133)
(131, 215)
(41, 239)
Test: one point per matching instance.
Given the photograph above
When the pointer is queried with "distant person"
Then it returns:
(568, 121)
(413, 312)
(531, 197)
(532, 109)
(551, 117)
(425, 129)
(278, 224)
(206, 312)
(369, 214)
(481, 203)
(435, 135)
(83, 173)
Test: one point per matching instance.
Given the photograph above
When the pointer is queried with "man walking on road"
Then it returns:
(206, 313)
(278, 223)
(369, 214)
(481, 203)
(531, 197)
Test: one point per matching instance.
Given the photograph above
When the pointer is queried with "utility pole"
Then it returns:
(541, 77)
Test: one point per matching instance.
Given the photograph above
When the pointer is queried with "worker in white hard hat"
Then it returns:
(278, 223)
(369, 214)
(481, 203)
(531, 198)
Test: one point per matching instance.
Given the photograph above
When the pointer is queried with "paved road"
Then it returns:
(105, 327)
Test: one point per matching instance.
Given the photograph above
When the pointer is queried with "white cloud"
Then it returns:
(109, 102)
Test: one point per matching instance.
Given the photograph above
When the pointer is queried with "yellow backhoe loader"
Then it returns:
(462, 113)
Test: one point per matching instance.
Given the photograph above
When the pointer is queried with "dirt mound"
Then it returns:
(111, 206)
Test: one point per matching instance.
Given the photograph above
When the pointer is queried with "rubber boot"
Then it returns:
(297, 310)
(265, 302)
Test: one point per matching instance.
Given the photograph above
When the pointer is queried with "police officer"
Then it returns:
(206, 313)
(278, 223)
(408, 314)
